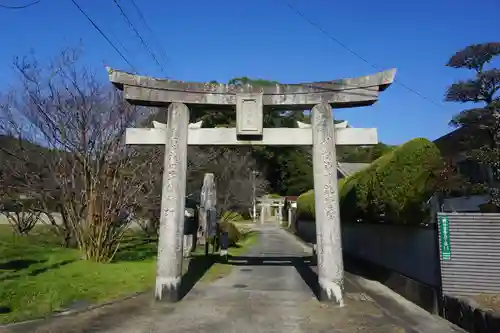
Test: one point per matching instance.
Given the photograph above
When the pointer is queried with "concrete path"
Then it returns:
(267, 291)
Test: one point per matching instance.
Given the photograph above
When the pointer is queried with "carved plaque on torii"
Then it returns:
(249, 117)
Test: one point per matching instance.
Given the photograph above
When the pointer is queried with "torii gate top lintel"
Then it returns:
(350, 92)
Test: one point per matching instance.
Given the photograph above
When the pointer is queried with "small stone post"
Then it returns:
(208, 199)
(328, 236)
(169, 266)
(187, 245)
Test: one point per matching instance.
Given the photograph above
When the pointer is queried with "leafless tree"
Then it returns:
(233, 173)
(232, 168)
(21, 213)
(71, 155)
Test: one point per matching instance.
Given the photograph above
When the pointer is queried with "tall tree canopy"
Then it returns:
(483, 90)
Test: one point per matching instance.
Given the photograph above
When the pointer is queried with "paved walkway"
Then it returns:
(265, 292)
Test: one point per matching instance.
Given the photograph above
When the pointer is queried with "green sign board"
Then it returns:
(444, 231)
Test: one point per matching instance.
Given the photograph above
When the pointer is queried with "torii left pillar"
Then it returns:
(173, 197)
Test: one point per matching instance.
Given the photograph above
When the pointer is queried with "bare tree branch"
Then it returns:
(70, 151)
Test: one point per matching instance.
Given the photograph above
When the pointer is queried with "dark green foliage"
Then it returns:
(362, 154)
(232, 216)
(395, 186)
(296, 172)
(483, 121)
(474, 56)
(305, 203)
(233, 232)
(305, 206)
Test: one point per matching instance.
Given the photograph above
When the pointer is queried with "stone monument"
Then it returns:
(250, 102)
(208, 200)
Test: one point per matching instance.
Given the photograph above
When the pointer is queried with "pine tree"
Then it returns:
(484, 120)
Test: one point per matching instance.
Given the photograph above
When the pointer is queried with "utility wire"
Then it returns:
(21, 6)
(145, 22)
(103, 34)
(125, 16)
(337, 41)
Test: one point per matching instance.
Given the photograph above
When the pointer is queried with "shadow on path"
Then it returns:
(365, 269)
(303, 265)
(197, 267)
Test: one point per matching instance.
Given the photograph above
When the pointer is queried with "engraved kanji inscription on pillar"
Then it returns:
(169, 265)
(329, 244)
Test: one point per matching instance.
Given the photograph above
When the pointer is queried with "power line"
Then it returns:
(21, 6)
(102, 34)
(144, 21)
(337, 41)
(138, 34)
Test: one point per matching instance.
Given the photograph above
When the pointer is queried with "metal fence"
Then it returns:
(469, 246)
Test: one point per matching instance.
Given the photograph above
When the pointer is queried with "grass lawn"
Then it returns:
(38, 277)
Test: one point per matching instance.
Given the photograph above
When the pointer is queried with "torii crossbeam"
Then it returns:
(343, 93)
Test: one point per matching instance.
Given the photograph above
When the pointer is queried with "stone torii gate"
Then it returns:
(250, 101)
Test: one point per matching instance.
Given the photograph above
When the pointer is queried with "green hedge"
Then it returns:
(305, 206)
(397, 185)
(305, 203)
(232, 216)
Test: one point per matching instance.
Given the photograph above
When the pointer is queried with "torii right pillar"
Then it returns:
(328, 236)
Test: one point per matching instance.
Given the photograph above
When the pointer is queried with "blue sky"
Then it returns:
(219, 40)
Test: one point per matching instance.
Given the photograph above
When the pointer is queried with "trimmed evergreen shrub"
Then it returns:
(394, 187)
(398, 185)
(305, 203)
(305, 206)
(232, 216)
